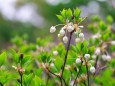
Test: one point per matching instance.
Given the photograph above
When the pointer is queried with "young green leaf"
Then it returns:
(77, 13)
(2, 58)
(69, 13)
(58, 63)
(61, 18)
(63, 13)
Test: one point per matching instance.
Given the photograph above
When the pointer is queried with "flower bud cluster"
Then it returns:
(68, 28)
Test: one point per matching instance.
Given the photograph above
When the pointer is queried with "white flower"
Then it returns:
(81, 26)
(98, 35)
(112, 42)
(104, 57)
(77, 40)
(52, 64)
(78, 60)
(55, 53)
(52, 29)
(92, 69)
(65, 39)
(98, 51)
(94, 56)
(81, 35)
(70, 28)
(108, 58)
(87, 56)
(62, 32)
(14, 67)
(59, 35)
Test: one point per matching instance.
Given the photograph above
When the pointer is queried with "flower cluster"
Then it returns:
(86, 61)
(69, 27)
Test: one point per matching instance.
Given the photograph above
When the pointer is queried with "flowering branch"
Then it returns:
(63, 67)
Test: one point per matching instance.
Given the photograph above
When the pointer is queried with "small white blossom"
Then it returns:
(55, 53)
(92, 69)
(52, 29)
(94, 56)
(65, 39)
(52, 64)
(77, 40)
(98, 51)
(81, 26)
(104, 57)
(62, 32)
(70, 28)
(108, 58)
(81, 35)
(78, 60)
(59, 35)
(112, 42)
(87, 56)
(14, 67)
(98, 35)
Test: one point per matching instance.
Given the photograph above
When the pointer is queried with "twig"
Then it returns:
(97, 71)
(96, 62)
(87, 74)
(58, 77)
(77, 74)
(63, 67)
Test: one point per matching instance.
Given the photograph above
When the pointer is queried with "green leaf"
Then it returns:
(105, 36)
(73, 48)
(80, 19)
(79, 47)
(110, 19)
(37, 81)
(3, 56)
(77, 13)
(102, 25)
(26, 60)
(95, 18)
(61, 18)
(91, 49)
(27, 79)
(38, 72)
(58, 63)
(69, 13)
(85, 44)
(63, 13)
(15, 56)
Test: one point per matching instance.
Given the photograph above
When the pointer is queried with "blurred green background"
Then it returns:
(35, 17)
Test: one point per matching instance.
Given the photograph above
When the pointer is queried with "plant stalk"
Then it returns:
(63, 67)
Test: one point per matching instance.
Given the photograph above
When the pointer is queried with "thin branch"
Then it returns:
(63, 67)
(77, 74)
(97, 71)
(58, 77)
(96, 62)
(87, 74)
(53, 73)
